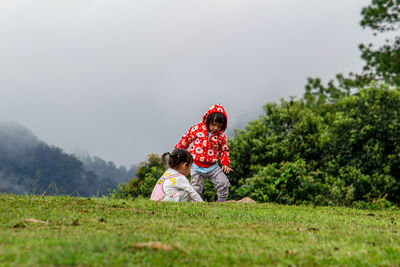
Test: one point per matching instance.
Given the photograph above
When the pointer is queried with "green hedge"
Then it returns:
(322, 153)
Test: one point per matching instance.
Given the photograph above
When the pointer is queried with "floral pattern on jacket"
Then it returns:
(206, 150)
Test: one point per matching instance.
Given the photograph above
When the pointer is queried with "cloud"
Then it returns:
(123, 79)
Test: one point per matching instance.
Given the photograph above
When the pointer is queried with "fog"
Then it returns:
(123, 79)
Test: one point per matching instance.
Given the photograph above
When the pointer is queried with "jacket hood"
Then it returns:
(213, 109)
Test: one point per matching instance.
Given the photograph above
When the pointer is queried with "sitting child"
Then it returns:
(173, 184)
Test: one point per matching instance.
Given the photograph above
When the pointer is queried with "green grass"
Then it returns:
(102, 231)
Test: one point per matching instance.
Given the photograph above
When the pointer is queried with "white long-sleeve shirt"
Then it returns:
(173, 186)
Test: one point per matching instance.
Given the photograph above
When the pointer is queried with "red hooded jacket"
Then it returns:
(206, 150)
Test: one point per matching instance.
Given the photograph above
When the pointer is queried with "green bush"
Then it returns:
(146, 177)
(310, 152)
(362, 143)
(322, 153)
(288, 132)
(287, 183)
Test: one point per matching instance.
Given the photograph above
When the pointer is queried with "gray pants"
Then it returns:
(217, 177)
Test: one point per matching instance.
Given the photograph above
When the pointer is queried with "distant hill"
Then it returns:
(28, 165)
(108, 169)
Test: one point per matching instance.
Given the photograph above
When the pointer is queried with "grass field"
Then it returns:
(69, 231)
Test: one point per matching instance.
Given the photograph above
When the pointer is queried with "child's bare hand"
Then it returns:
(226, 169)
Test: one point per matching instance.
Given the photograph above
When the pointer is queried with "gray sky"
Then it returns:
(122, 79)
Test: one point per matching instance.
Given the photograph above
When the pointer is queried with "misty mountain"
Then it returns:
(29, 165)
(106, 170)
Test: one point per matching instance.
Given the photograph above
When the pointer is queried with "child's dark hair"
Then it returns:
(216, 117)
(177, 157)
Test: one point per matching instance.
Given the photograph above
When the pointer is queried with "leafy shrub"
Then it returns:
(209, 192)
(322, 153)
(286, 183)
(362, 143)
(146, 177)
(288, 132)
(305, 152)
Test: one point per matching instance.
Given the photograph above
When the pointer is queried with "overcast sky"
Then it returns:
(122, 79)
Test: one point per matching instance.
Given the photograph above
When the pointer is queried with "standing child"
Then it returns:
(209, 146)
(173, 185)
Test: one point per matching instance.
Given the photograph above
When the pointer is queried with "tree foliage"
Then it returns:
(107, 170)
(28, 165)
(339, 145)
(146, 177)
(305, 154)
(382, 64)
